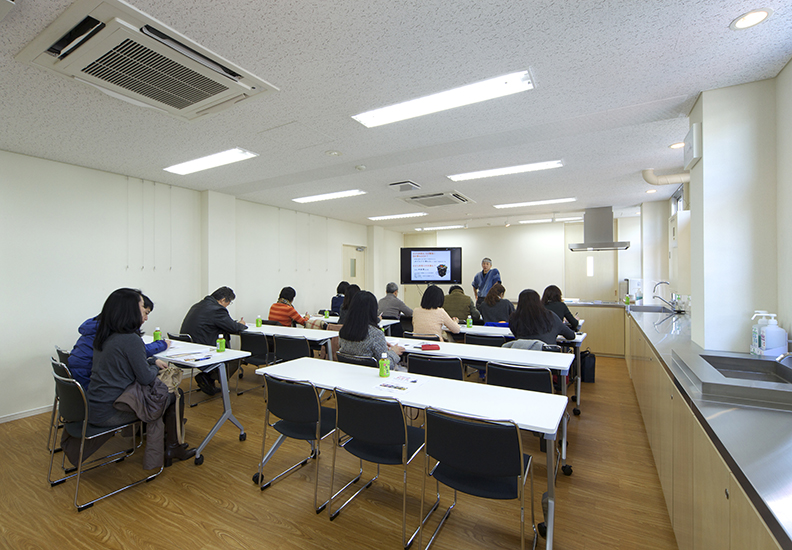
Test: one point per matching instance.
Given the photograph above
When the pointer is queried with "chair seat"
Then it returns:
(307, 430)
(501, 488)
(386, 454)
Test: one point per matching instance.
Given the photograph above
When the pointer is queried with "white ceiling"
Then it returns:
(615, 80)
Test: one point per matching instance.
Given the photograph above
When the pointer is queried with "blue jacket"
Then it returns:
(81, 358)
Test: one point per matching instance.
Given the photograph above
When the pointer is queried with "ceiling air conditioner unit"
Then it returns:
(438, 199)
(131, 56)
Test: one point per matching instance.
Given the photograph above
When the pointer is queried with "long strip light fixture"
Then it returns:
(397, 216)
(457, 97)
(535, 203)
(441, 228)
(330, 196)
(211, 161)
(520, 169)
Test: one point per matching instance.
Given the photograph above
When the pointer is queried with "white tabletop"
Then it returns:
(311, 334)
(333, 319)
(538, 412)
(188, 354)
(556, 361)
(506, 331)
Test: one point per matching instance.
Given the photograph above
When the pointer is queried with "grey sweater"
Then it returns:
(373, 345)
(121, 362)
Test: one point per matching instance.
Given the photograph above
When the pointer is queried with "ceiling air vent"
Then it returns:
(130, 56)
(406, 185)
(438, 199)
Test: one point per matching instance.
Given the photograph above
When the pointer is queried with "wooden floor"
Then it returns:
(612, 500)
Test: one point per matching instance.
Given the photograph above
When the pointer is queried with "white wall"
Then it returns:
(784, 198)
(654, 249)
(734, 200)
(629, 229)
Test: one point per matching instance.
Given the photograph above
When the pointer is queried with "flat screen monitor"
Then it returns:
(431, 265)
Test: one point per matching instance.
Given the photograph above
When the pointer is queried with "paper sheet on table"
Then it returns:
(398, 383)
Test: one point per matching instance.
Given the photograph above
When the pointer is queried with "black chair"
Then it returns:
(73, 412)
(258, 346)
(298, 405)
(532, 379)
(377, 431)
(289, 347)
(63, 357)
(432, 365)
(406, 323)
(418, 336)
(363, 360)
(482, 458)
(485, 340)
(396, 329)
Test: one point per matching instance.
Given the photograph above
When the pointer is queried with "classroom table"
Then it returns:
(333, 319)
(322, 337)
(537, 412)
(206, 359)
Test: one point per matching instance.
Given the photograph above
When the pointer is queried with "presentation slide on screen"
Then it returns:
(431, 265)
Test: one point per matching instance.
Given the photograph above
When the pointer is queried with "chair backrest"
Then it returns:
(524, 343)
(363, 360)
(289, 347)
(72, 403)
(396, 329)
(375, 420)
(257, 345)
(481, 447)
(523, 378)
(179, 337)
(292, 401)
(417, 336)
(406, 322)
(63, 355)
(442, 367)
(485, 340)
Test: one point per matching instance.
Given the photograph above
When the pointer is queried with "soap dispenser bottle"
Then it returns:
(756, 330)
(773, 338)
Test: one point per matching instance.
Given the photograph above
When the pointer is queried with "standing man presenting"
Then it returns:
(484, 280)
(204, 322)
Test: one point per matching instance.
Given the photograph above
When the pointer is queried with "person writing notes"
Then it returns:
(430, 317)
(552, 300)
(283, 311)
(361, 334)
(494, 309)
(532, 321)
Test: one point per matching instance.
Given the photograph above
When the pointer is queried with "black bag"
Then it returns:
(587, 360)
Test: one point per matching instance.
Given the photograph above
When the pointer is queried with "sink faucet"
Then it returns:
(658, 284)
(673, 304)
(780, 358)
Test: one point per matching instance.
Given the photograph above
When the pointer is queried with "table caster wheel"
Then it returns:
(256, 478)
(567, 469)
(574, 398)
(542, 528)
(576, 411)
(242, 436)
(199, 460)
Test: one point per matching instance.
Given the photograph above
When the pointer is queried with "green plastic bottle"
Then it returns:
(384, 366)
(469, 321)
(220, 343)
(157, 334)
(258, 321)
(327, 314)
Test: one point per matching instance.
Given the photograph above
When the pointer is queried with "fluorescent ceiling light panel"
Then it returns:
(548, 220)
(440, 228)
(535, 203)
(573, 219)
(442, 101)
(211, 161)
(330, 196)
(533, 167)
(397, 216)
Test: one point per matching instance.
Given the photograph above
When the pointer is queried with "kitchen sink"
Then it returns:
(757, 370)
(650, 309)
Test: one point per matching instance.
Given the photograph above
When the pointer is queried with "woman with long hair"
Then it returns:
(361, 334)
(494, 309)
(351, 291)
(431, 317)
(119, 360)
(552, 300)
(532, 321)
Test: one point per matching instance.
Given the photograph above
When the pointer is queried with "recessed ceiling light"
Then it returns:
(330, 196)
(211, 161)
(750, 19)
(534, 203)
(677, 145)
(397, 216)
(442, 101)
(333, 153)
(441, 228)
(572, 219)
(533, 167)
(651, 190)
(547, 220)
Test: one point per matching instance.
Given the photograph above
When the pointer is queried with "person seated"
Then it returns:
(350, 294)
(283, 311)
(119, 360)
(361, 334)
(458, 304)
(338, 300)
(81, 358)
(494, 309)
(532, 321)
(390, 307)
(430, 317)
(552, 300)
(205, 322)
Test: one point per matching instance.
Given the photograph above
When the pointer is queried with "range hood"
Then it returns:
(598, 231)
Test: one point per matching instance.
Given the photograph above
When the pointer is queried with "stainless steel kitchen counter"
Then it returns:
(755, 441)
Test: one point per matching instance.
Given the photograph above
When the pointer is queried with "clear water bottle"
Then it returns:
(384, 366)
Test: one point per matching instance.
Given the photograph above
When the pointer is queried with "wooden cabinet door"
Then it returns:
(684, 424)
(748, 531)
(711, 482)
